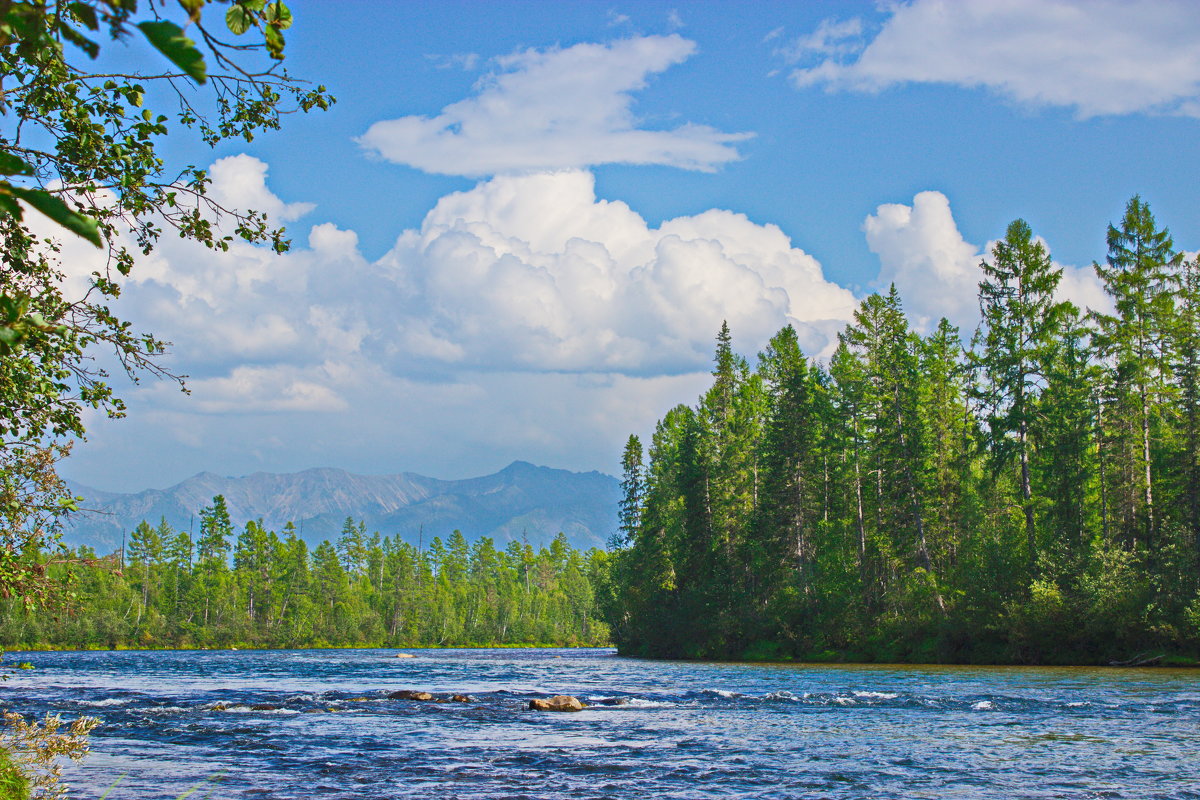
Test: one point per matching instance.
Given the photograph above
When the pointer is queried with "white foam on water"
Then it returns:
(842, 700)
(108, 701)
(637, 702)
(308, 697)
(782, 694)
(877, 695)
(984, 705)
(722, 693)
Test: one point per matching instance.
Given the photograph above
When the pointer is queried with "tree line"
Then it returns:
(257, 588)
(1031, 497)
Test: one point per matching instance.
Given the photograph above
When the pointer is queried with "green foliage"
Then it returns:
(361, 591)
(1035, 499)
(14, 785)
(32, 752)
(178, 48)
(83, 150)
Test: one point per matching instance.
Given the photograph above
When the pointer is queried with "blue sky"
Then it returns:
(519, 229)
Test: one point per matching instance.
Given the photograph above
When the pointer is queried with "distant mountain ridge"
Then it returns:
(521, 499)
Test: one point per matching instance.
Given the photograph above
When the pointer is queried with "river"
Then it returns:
(325, 728)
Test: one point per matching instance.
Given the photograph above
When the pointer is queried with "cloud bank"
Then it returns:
(555, 109)
(521, 275)
(525, 317)
(1100, 57)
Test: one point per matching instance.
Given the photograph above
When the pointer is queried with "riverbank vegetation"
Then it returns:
(1031, 498)
(256, 588)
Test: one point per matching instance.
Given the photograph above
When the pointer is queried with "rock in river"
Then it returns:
(409, 694)
(560, 702)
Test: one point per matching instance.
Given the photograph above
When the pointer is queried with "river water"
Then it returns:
(325, 728)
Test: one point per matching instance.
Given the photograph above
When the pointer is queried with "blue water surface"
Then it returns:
(325, 727)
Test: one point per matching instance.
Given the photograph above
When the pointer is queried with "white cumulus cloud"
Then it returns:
(1100, 57)
(528, 274)
(525, 317)
(936, 271)
(922, 252)
(241, 182)
(536, 272)
(552, 109)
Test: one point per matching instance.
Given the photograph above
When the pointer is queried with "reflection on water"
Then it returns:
(298, 724)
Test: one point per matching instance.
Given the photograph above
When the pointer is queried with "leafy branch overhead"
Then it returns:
(80, 147)
(21, 24)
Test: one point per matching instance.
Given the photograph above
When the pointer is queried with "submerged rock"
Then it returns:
(615, 701)
(264, 707)
(560, 702)
(460, 698)
(409, 694)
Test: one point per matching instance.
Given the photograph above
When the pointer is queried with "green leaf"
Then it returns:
(85, 14)
(13, 165)
(279, 15)
(170, 41)
(238, 19)
(56, 209)
(7, 204)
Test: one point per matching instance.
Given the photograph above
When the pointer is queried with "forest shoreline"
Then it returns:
(7, 649)
(1164, 661)
(1168, 661)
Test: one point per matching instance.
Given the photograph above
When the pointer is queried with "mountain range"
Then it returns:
(521, 500)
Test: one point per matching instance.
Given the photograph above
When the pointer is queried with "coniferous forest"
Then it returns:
(1030, 497)
(255, 588)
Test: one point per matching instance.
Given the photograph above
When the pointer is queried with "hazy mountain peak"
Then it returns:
(521, 498)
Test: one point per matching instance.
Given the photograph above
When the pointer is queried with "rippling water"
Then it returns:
(325, 728)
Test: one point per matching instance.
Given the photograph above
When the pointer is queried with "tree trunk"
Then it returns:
(1148, 496)
(1027, 498)
(1103, 476)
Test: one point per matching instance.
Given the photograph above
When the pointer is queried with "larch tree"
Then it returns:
(1020, 319)
(1134, 344)
(1187, 381)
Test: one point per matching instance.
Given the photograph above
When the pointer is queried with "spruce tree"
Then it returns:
(633, 489)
